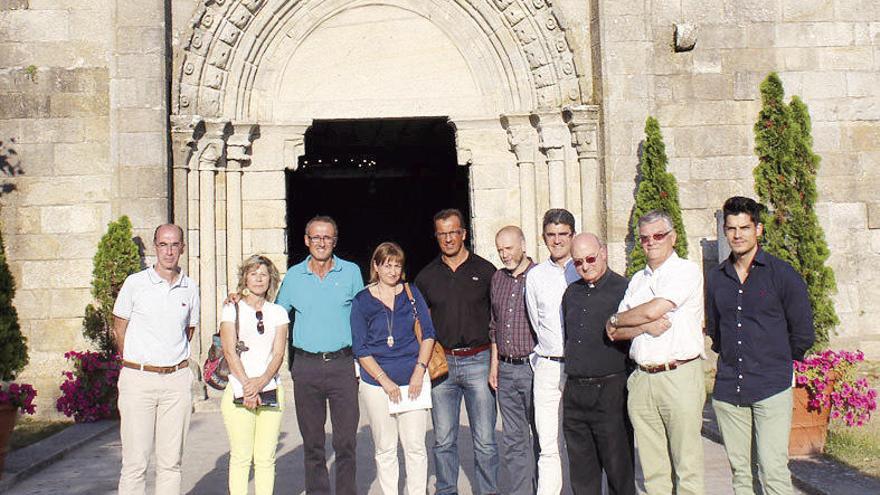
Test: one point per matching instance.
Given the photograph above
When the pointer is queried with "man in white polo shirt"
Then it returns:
(545, 286)
(667, 389)
(154, 318)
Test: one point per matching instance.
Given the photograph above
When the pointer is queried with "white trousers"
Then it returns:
(410, 428)
(154, 409)
(548, 384)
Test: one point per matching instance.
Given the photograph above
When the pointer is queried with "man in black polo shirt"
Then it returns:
(456, 288)
(594, 399)
(759, 318)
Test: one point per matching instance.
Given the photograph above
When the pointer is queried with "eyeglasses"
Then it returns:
(260, 327)
(451, 233)
(557, 235)
(321, 238)
(657, 237)
(175, 246)
(589, 260)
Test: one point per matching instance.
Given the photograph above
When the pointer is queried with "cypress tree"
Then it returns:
(785, 178)
(13, 345)
(117, 258)
(658, 190)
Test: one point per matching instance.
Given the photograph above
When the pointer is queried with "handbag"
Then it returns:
(437, 365)
(215, 372)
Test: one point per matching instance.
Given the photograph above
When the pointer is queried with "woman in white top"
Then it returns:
(253, 401)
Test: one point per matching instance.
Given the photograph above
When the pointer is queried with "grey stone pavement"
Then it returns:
(94, 468)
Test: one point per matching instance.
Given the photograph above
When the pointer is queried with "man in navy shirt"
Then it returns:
(759, 318)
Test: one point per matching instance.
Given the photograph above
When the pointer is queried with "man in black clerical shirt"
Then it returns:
(594, 399)
(456, 288)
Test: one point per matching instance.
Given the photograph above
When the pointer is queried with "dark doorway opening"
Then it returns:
(381, 180)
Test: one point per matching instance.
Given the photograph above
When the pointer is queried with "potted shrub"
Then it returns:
(89, 391)
(14, 397)
(827, 388)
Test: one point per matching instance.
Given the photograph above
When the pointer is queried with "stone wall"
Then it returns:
(85, 107)
(826, 51)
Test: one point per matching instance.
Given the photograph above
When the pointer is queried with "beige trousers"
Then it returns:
(154, 410)
(666, 410)
(410, 428)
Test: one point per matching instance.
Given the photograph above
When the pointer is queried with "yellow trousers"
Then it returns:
(253, 437)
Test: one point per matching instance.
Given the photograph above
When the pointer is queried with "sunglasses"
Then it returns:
(657, 237)
(587, 260)
(260, 327)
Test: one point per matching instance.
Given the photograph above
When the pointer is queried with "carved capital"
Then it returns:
(469, 133)
(185, 133)
(212, 146)
(552, 134)
(521, 136)
(238, 146)
(583, 122)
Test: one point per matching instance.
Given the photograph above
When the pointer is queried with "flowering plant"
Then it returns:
(20, 396)
(89, 391)
(830, 380)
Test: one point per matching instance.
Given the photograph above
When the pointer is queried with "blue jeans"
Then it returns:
(468, 377)
(518, 426)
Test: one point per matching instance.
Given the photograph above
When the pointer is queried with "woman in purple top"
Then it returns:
(385, 344)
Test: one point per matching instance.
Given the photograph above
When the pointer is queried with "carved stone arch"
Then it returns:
(520, 45)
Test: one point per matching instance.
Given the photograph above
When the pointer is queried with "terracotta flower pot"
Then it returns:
(8, 414)
(809, 428)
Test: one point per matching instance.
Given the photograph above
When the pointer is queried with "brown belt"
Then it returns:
(164, 370)
(659, 368)
(467, 351)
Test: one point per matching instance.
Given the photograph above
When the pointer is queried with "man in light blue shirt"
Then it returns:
(319, 290)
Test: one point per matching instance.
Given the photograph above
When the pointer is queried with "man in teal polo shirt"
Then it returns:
(319, 290)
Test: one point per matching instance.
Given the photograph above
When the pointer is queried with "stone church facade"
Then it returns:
(199, 111)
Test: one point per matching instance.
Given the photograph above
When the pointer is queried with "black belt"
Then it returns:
(592, 380)
(558, 359)
(324, 356)
(513, 360)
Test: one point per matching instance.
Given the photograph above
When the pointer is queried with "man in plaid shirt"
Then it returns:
(510, 375)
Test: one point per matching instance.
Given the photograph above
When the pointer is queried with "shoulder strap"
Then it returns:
(412, 302)
(236, 321)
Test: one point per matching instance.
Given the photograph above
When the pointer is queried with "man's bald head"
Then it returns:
(511, 245)
(590, 256)
(511, 230)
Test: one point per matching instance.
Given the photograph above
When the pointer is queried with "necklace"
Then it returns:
(389, 321)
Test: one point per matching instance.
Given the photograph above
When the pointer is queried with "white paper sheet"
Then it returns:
(423, 401)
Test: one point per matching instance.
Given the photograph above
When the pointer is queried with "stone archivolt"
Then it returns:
(230, 38)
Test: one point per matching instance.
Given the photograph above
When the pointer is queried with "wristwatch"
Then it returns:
(423, 365)
(613, 320)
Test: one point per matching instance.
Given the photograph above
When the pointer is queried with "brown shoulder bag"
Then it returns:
(437, 366)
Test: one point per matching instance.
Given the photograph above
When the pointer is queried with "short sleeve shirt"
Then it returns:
(679, 281)
(459, 300)
(322, 307)
(259, 354)
(159, 314)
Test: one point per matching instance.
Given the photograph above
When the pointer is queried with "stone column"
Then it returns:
(552, 138)
(184, 136)
(583, 122)
(238, 149)
(210, 155)
(524, 144)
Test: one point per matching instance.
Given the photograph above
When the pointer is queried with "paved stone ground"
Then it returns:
(94, 469)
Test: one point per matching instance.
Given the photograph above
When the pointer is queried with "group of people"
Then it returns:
(620, 361)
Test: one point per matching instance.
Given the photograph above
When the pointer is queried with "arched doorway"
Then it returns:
(257, 75)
